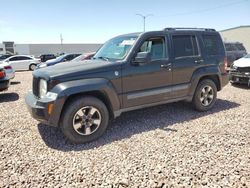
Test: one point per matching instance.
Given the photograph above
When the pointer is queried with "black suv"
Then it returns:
(130, 72)
(46, 57)
(234, 51)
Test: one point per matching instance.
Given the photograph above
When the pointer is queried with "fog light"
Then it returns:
(50, 108)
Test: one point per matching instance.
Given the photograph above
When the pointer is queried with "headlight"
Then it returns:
(42, 88)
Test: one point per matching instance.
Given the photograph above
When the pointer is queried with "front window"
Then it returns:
(156, 47)
(116, 48)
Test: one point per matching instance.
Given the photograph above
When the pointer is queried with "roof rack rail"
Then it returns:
(187, 28)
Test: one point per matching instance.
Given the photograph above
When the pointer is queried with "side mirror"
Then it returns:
(142, 58)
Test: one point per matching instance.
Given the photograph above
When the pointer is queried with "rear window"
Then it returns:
(185, 46)
(240, 47)
(212, 44)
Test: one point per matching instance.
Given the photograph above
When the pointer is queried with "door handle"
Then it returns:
(166, 66)
(199, 61)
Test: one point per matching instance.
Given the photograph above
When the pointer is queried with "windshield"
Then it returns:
(61, 57)
(79, 58)
(247, 56)
(116, 48)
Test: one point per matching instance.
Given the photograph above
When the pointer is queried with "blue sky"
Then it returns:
(95, 21)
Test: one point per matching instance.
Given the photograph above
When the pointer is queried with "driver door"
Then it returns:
(148, 82)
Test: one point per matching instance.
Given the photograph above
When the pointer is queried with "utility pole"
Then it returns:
(61, 38)
(144, 20)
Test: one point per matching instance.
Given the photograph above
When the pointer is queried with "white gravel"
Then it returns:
(165, 146)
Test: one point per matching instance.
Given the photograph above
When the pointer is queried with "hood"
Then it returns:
(243, 62)
(52, 62)
(75, 70)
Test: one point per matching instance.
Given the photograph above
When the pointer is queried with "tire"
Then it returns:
(205, 95)
(32, 67)
(77, 123)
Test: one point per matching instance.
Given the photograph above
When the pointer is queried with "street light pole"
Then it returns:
(144, 20)
(61, 38)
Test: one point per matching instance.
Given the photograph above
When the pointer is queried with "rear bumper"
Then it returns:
(4, 84)
(224, 79)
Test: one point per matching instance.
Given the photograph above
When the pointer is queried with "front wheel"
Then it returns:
(84, 119)
(205, 95)
(32, 67)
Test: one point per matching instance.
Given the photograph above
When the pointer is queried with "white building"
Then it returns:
(238, 34)
(37, 49)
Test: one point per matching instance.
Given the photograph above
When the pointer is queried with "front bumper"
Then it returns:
(38, 108)
(241, 78)
(4, 84)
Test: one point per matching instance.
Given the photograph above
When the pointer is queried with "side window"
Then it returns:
(15, 58)
(156, 46)
(25, 58)
(211, 44)
(185, 46)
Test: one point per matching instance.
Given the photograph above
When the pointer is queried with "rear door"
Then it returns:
(186, 59)
(20, 62)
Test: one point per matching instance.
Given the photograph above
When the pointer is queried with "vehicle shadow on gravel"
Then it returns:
(15, 83)
(134, 122)
(8, 97)
(241, 86)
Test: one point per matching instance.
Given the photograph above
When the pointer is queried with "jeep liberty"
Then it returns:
(130, 72)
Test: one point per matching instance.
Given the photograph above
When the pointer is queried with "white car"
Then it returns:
(240, 71)
(10, 73)
(22, 62)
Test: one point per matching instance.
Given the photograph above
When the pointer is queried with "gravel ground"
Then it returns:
(165, 146)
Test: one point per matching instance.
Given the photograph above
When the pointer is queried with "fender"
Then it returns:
(67, 89)
(202, 72)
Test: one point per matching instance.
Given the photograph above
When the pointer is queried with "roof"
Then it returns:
(242, 26)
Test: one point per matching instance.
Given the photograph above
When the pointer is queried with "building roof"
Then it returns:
(242, 26)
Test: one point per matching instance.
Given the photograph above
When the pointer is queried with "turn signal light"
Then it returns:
(8, 67)
(50, 108)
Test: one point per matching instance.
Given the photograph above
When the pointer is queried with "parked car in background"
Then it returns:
(60, 59)
(10, 73)
(4, 56)
(85, 56)
(240, 71)
(130, 72)
(46, 57)
(22, 62)
(234, 51)
(4, 81)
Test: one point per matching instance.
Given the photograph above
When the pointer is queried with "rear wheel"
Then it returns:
(32, 67)
(205, 95)
(84, 119)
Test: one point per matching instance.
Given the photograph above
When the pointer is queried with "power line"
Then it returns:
(209, 9)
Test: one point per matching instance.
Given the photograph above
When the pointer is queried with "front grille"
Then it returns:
(35, 86)
(243, 69)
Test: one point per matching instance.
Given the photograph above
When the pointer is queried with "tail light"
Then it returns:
(225, 64)
(8, 67)
(2, 74)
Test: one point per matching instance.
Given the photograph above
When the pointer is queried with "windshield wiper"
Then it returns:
(104, 58)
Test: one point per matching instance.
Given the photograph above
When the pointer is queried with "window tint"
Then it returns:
(211, 44)
(230, 47)
(19, 58)
(156, 46)
(185, 45)
(240, 46)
